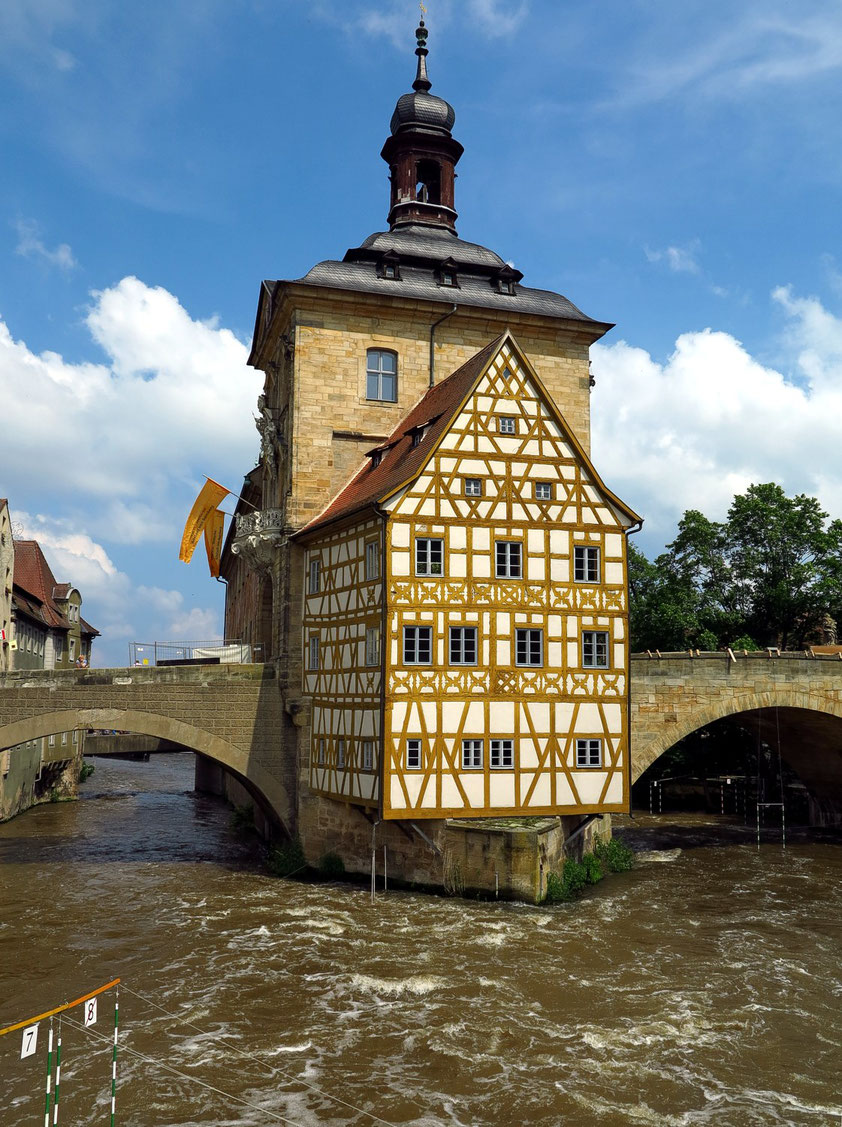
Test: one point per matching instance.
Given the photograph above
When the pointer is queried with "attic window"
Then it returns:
(390, 266)
(505, 281)
(376, 459)
(448, 274)
(418, 436)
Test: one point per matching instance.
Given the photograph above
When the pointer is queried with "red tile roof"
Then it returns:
(401, 461)
(36, 583)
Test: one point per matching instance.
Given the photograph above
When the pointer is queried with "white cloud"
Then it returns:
(396, 21)
(31, 245)
(681, 260)
(693, 431)
(763, 45)
(173, 401)
(121, 611)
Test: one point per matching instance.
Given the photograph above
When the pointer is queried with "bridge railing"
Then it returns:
(772, 653)
(211, 651)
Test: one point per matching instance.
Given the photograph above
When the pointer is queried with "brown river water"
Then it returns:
(703, 987)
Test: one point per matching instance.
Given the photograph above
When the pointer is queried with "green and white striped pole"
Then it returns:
(114, 1055)
(49, 1075)
(58, 1074)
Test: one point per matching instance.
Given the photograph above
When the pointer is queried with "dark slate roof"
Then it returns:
(421, 251)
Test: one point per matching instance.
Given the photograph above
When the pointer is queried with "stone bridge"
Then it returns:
(794, 698)
(231, 714)
(234, 715)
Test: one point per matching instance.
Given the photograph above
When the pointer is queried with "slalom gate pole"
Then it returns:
(114, 1055)
(49, 1075)
(58, 1074)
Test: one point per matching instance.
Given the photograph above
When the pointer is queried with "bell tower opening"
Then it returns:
(428, 177)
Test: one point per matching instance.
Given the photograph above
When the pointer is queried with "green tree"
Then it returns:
(771, 572)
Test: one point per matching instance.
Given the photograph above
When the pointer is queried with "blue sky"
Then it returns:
(673, 168)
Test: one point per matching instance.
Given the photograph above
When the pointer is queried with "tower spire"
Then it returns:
(422, 81)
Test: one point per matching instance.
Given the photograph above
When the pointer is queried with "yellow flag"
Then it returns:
(209, 498)
(213, 540)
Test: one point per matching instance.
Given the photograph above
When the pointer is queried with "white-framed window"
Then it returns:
(506, 424)
(315, 583)
(321, 752)
(368, 755)
(381, 375)
(64, 737)
(472, 486)
(502, 754)
(59, 649)
(543, 491)
(340, 755)
(429, 556)
(508, 559)
(529, 647)
(417, 645)
(313, 652)
(51, 740)
(75, 736)
(372, 559)
(589, 753)
(447, 276)
(595, 649)
(72, 651)
(463, 645)
(413, 755)
(372, 645)
(471, 754)
(585, 564)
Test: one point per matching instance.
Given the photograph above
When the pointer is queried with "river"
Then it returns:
(703, 987)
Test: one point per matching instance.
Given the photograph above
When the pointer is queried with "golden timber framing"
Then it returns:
(457, 662)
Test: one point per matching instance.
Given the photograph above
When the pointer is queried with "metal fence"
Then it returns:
(212, 651)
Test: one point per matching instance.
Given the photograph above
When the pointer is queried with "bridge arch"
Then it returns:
(792, 701)
(231, 715)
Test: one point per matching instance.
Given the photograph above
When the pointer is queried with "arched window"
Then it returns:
(381, 375)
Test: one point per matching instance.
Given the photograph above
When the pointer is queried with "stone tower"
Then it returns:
(350, 347)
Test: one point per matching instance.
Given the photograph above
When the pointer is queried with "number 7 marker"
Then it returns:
(30, 1041)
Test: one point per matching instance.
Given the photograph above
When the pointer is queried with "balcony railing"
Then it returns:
(261, 520)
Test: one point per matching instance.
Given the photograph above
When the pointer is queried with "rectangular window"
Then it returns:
(463, 645)
(381, 375)
(502, 753)
(313, 655)
(75, 736)
(51, 741)
(417, 645)
(588, 753)
(471, 754)
(472, 486)
(585, 564)
(315, 577)
(508, 561)
(543, 491)
(413, 755)
(321, 753)
(340, 755)
(506, 424)
(368, 755)
(529, 647)
(595, 649)
(372, 645)
(372, 560)
(428, 556)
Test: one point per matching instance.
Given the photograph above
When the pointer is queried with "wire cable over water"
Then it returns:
(287, 1077)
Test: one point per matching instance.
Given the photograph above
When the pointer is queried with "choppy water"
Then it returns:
(706, 990)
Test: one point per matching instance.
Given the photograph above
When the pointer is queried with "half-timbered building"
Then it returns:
(465, 624)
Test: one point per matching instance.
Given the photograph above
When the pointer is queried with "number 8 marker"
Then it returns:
(90, 1012)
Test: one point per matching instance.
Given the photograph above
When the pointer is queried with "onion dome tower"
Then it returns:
(421, 153)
